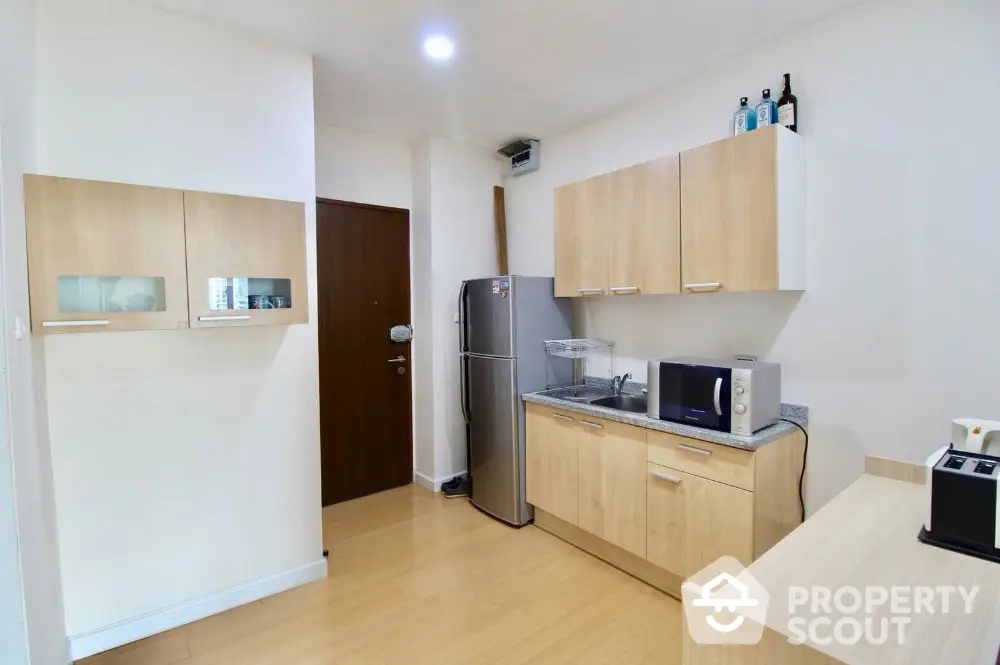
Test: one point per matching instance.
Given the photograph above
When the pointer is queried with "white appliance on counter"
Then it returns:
(740, 397)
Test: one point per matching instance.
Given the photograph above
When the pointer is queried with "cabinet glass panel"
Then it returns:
(91, 294)
(236, 293)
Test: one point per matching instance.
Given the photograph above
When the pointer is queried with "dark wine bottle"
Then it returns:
(788, 106)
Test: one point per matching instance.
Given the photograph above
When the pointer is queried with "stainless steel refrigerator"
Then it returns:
(503, 324)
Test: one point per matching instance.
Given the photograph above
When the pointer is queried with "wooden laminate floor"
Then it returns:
(415, 578)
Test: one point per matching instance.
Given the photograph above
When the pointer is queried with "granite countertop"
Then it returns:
(799, 414)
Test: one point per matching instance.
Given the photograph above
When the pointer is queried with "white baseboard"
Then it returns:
(125, 632)
(433, 485)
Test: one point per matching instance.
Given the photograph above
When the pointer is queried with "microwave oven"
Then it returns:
(739, 397)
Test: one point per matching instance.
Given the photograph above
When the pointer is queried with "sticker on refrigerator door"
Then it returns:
(504, 288)
(496, 286)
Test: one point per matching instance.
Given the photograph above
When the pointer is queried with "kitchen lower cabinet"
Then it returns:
(612, 489)
(552, 463)
(692, 521)
(657, 505)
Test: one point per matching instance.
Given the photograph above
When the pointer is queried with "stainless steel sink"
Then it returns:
(630, 403)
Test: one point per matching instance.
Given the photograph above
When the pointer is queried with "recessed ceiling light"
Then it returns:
(439, 47)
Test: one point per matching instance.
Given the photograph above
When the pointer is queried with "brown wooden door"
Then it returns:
(363, 265)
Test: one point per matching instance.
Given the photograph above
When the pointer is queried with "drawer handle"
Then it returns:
(703, 286)
(692, 449)
(228, 317)
(75, 324)
(665, 476)
(590, 424)
(624, 289)
(561, 417)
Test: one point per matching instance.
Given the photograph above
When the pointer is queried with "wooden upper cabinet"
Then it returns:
(644, 233)
(613, 482)
(582, 210)
(246, 260)
(743, 213)
(104, 256)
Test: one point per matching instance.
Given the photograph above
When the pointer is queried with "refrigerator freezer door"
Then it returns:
(494, 440)
(487, 317)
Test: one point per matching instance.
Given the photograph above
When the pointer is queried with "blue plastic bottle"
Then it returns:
(767, 110)
(744, 120)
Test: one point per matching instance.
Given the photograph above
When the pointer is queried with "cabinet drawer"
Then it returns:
(731, 466)
(692, 521)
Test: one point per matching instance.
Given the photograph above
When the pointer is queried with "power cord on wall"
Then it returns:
(802, 475)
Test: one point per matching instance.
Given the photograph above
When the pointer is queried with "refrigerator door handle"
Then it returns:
(462, 341)
(464, 386)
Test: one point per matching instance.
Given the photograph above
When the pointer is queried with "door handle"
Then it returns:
(75, 324)
(703, 286)
(464, 386)
(665, 476)
(718, 396)
(692, 449)
(402, 359)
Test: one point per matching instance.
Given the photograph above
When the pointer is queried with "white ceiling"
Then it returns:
(522, 67)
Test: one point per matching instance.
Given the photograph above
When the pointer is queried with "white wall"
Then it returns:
(463, 247)
(424, 328)
(24, 446)
(185, 462)
(455, 240)
(895, 335)
(363, 168)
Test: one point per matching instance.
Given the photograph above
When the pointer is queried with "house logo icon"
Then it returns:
(724, 604)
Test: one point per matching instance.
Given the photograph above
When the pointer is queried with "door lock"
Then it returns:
(400, 370)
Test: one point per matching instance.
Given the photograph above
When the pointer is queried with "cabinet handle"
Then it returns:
(704, 286)
(692, 449)
(625, 289)
(75, 324)
(587, 291)
(228, 317)
(665, 476)
(590, 424)
(561, 417)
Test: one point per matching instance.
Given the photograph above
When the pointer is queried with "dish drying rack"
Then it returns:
(576, 362)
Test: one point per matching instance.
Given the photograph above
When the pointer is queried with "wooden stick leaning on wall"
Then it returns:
(500, 221)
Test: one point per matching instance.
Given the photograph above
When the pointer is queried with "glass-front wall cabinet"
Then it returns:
(104, 256)
(107, 256)
(246, 260)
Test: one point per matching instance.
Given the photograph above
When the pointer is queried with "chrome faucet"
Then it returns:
(618, 383)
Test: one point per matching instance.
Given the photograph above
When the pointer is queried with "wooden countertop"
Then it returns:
(867, 536)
